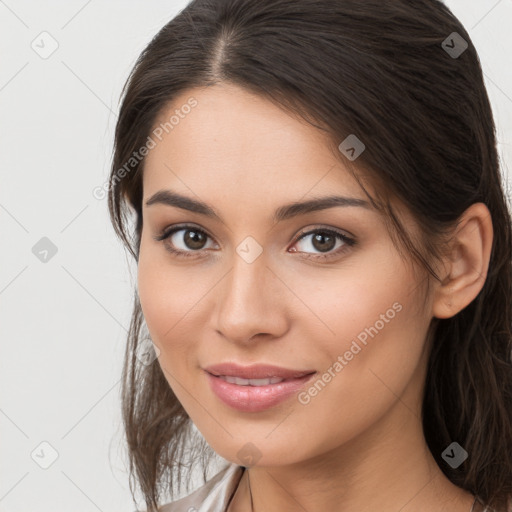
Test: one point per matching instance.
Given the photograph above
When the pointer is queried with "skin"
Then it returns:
(358, 445)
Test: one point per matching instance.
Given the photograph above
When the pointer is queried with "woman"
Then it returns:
(324, 261)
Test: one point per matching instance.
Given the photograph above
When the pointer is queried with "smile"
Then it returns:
(255, 395)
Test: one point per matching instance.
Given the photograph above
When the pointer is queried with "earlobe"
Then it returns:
(467, 262)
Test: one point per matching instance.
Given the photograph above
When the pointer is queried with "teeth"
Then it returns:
(250, 382)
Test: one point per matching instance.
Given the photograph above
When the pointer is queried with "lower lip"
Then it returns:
(255, 398)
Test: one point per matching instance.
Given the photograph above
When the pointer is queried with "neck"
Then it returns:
(389, 468)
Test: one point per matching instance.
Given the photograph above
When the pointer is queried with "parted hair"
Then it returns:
(380, 69)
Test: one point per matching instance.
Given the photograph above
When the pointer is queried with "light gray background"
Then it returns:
(63, 322)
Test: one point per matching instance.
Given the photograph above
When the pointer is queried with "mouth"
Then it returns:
(257, 394)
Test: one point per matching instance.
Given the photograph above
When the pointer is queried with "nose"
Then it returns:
(251, 301)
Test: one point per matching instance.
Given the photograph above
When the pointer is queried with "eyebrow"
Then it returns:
(170, 198)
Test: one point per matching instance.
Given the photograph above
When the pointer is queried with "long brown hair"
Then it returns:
(384, 70)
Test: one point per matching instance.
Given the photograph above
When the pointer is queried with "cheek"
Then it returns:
(173, 300)
(349, 302)
(165, 310)
(375, 356)
(376, 333)
(164, 296)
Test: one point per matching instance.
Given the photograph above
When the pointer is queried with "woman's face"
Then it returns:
(257, 291)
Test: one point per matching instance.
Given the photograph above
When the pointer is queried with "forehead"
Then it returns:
(233, 141)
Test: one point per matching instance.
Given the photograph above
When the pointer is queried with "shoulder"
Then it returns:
(213, 496)
(480, 506)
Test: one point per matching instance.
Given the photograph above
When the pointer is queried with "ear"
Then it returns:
(466, 263)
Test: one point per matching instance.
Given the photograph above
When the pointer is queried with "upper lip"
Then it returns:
(257, 371)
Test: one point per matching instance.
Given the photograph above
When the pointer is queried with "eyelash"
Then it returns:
(349, 242)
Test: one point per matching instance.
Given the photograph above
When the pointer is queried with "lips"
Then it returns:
(255, 388)
(256, 395)
(255, 372)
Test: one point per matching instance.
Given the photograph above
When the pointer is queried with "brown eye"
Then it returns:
(325, 240)
(193, 238)
(192, 242)
(184, 240)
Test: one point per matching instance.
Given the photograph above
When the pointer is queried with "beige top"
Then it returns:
(216, 494)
